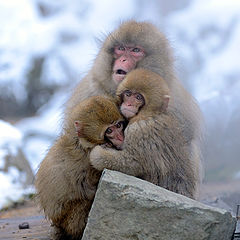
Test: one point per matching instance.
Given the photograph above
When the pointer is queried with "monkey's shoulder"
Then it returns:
(157, 126)
(142, 127)
(65, 151)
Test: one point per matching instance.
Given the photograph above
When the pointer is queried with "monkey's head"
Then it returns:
(97, 120)
(133, 45)
(142, 93)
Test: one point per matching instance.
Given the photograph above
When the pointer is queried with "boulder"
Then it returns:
(126, 207)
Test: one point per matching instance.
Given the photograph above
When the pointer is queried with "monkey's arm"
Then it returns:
(101, 158)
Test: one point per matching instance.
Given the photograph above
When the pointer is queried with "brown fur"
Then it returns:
(158, 58)
(66, 183)
(155, 148)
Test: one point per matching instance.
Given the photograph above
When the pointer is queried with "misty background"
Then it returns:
(46, 47)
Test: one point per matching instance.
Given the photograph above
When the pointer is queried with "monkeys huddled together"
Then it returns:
(131, 114)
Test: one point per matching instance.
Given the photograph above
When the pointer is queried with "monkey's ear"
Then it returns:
(166, 99)
(79, 128)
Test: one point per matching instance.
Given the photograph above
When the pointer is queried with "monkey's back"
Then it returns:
(66, 185)
(161, 147)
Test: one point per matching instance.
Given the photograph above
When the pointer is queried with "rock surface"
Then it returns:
(126, 207)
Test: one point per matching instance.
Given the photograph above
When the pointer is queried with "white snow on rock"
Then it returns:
(10, 139)
(11, 187)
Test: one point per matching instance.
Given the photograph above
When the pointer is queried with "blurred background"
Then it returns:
(46, 47)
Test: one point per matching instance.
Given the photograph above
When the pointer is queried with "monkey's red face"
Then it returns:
(114, 133)
(131, 103)
(126, 59)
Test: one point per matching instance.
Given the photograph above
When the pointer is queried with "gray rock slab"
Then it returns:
(126, 207)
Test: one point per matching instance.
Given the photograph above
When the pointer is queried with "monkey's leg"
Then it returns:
(72, 224)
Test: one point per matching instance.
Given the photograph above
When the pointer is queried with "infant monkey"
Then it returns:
(66, 182)
(154, 148)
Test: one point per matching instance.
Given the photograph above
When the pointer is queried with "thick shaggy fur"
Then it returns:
(155, 148)
(66, 182)
(158, 58)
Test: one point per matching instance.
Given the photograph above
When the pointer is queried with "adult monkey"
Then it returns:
(133, 45)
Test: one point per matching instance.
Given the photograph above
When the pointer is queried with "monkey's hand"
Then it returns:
(99, 157)
(106, 145)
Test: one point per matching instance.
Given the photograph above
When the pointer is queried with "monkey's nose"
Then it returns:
(123, 60)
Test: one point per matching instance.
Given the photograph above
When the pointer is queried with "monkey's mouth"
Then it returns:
(128, 113)
(119, 75)
(121, 72)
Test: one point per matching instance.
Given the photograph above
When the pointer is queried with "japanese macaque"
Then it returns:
(155, 148)
(66, 182)
(141, 45)
(143, 98)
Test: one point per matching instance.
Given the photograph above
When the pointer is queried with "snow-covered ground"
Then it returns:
(205, 36)
(11, 140)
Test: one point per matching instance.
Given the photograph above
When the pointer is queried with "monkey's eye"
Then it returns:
(128, 93)
(136, 50)
(108, 131)
(121, 48)
(139, 97)
(119, 124)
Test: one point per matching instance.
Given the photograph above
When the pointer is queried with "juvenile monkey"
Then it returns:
(154, 148)
(136, 45)
(66, 182)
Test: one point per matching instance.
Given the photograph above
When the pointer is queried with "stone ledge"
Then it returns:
(126, 207)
